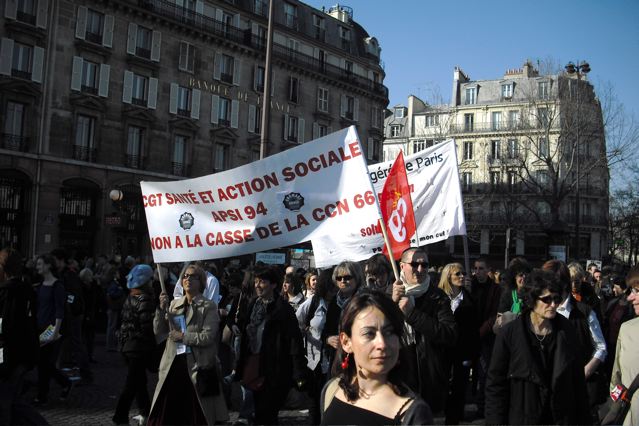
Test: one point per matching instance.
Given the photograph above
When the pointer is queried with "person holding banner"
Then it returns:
(367, 388)
(188, 389)
(431, 329)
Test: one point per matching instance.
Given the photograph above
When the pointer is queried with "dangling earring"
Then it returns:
(345, 362)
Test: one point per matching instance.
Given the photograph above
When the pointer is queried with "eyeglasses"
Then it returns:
(344, 278)
(416, 265)
(190, 277)
(459, 273)
(557, 299)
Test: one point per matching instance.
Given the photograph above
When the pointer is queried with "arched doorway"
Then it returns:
(77, 216)
(130, 238)
(14, 215)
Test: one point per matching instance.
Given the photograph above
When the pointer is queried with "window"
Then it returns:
(419, 145)
(432, 120)
(140, 90)
(14, 126)
(227, 66)
(543, 117)
(26, 11)
(396, 131)
(513, 119)
(143, 42)
(495, 149)
(90, 77)
(322, 99)
(133, 146)
(187, 57)
(468, 151)
(95, 26)
(512, 181)
(84, 138)
(291, 128)
(399, 112)
(348, 67)
(318, 25)
(257, 126)
(21, 63)
(184, 101)
(321, 59)
(495, 179)
(496, 120)
(227, 23)
(543, 148)
(221, 157)
(542, 178)
(224, 112)
(290, 15)
(507, 91)
(322, 130)
(260, 7)
(258, 79)
(543, 89)
(376, 118)
(467, 181)
(471, 96)
(469, 120)
(349, 108)
(179, 155)
(372, 149)
(293, 89)
(345, 37)
(513, 148)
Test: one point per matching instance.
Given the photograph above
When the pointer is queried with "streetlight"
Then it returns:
(582, 68)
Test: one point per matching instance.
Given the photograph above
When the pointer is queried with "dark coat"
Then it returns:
(19, 335)
(282, 355)
(467, 347)
(428, 362)
(136, 331)
(516, 385)
(486, 299)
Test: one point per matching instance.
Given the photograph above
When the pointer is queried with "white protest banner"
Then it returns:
(320, 187)
(434, 180)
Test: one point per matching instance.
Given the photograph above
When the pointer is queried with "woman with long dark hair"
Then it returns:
(367, 388)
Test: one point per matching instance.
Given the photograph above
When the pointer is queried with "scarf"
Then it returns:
(413, 291)
(516, 306)
(341, 300)
(255, 325)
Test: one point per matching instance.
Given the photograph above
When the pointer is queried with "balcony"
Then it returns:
(93, 37)
(21, 74)
(226, 78)
(139, 102)
(490, 127)
(90, 90)
(184, 112)
(14, 142)
(223, 122)
(143, 52)
(26, 17)
(133, 161)
(179, 169)
(84, 153)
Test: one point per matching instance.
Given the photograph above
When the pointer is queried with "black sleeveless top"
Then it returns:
(342, 413)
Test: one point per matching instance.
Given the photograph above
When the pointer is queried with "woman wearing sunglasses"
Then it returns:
(534, 375)
(348, 277)
(467, 347)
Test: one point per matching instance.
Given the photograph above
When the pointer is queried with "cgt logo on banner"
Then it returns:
(433, 178)
(319, 188)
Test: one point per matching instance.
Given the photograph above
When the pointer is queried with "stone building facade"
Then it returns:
(96, 96)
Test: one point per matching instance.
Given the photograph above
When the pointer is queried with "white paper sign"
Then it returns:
(437, 202)
(321, 187)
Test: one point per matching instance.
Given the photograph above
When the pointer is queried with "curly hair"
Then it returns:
(535, 284)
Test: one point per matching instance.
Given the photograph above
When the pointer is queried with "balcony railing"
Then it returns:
(21, 74)
(246, 38)
(179, 169)
(143, 52)
(133, 161)
(139, 102)
(490, 127)
(84, 153)
(90, 90)
(93, 37)
(14, 142)
(183, 112)
(25, 17)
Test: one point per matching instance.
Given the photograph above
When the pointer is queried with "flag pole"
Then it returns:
(389, 248)
(161, 277)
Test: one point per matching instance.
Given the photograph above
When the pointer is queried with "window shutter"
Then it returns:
(103, 88)
(6, 56)
(236, 20)
(370, 148)
(131, 38)
(315, 130)
(41, 13)
(251, 118)
(173, 98)
(152, 102)
(107, 34)
(237, 65)
(155, 46)
(199, 7)
(81, 23)
(38, 63)
(10, 9)
(356, 110)
(215, 106)
(285, 127)
(255, 77)
(300, 130)
(217, 66)
(218, 15)
(342, 106)
(254, 28)
(127, 89)
(235, 114)
(195, 103)
(76, 73)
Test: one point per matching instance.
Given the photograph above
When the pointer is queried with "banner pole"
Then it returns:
(389, 248)
(466, 255)
(157, 265)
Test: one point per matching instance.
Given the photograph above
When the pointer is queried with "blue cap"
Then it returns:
(139, 275)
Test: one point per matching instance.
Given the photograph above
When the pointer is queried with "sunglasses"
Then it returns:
(459, 273)
(557, 299)
(416, 265)
(190, 277)
(344, 278)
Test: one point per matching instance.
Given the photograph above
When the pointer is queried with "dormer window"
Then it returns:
(396, 131)
(507, 91)
(399, 112)
(471, 96)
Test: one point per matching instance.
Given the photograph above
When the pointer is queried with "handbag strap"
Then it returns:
(331, 390)
(633, 386)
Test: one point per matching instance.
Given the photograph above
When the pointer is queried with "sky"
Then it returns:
(423, 40)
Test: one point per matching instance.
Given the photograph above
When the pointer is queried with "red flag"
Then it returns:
(397, 208)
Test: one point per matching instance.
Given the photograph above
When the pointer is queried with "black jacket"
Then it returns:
(282, 356)
(428, 361)
(136, 332)
(467, 347)
(516, 385)
(19, 335)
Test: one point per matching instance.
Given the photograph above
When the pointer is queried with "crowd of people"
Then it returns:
(351, 343)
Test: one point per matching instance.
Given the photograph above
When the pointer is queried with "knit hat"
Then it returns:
(139, 275)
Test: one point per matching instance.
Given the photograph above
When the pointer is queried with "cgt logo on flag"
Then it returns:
(397, 208)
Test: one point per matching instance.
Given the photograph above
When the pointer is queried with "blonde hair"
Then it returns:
(444, 280)
(577, 273)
